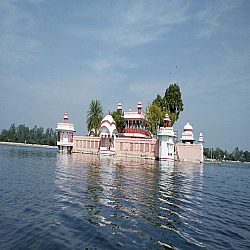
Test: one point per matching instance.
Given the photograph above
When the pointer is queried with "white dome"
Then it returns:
(108, 124)
(188, 127)
(187, 135)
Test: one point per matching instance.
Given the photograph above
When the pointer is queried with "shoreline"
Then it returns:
(244, 162)
(27, 144)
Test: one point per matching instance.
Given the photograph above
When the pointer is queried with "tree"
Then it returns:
(12, 133)
(161, 104)
(4, 135)
(119, 120)
(152, 118)
(94, 116)
(237, 154)
(173, 102)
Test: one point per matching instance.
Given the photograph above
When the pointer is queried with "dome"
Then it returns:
(108, 124)
(188, 127)
(187, 135)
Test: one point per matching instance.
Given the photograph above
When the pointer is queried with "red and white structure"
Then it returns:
(166, 140)
(108, 133)
(65, 132)
(133, 123)
(187, 135)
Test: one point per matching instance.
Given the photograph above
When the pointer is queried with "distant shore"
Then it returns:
(26, 144)
(209, 159)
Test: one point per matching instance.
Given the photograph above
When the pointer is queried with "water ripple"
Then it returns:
(50, 200)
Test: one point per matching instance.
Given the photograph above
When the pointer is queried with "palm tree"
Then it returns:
(94, 116)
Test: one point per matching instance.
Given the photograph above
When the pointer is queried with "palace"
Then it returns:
(134, 140)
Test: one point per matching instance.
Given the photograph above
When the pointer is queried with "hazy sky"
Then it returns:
(57, 56)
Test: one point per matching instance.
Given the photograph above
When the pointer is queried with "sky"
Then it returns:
(57, 56)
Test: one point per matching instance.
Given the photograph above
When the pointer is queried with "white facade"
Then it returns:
(201, 141)
(166, 141)
(65, 132)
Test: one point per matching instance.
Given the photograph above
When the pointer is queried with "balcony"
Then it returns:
(65, 126)
(135, 131)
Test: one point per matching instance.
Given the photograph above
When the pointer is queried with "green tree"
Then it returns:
(12, 133)
(94, 116)
(153, 118)
(173, 102)
(246, 155)
(161, 104)
(207, 152)
(4, 135)
(237, 154)
(119, 120)
(218, 154)
(170, 103)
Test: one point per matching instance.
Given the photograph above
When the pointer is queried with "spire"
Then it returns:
(166, 120)
(119, 106)
(65, 117)
(201, 137)
(139, 107)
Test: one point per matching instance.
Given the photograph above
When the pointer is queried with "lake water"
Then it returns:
(50, 200)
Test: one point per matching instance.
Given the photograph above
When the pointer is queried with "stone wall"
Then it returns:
(188, 152)
(147, 148)
(139, 147)
(86, 144)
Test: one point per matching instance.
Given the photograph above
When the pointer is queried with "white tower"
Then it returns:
(201, 141)
(65, 132)
(166, 141)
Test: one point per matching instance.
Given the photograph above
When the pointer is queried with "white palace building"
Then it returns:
(134, 140)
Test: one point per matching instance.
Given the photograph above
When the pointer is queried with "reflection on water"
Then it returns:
(50, 200)
(153, 200)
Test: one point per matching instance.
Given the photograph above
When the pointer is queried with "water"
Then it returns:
(50, 200)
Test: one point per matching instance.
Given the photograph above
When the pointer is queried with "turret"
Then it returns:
(166, 121)
(65, 117)
(201, 141)
(65, 132)
(119, 106)
(139, 107)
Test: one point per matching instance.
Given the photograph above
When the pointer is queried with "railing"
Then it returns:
(61, 143)
(136, 130)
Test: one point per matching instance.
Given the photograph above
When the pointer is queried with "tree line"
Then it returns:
(22, 134)
(235, 155)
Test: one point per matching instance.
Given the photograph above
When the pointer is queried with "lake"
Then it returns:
(50, 200)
